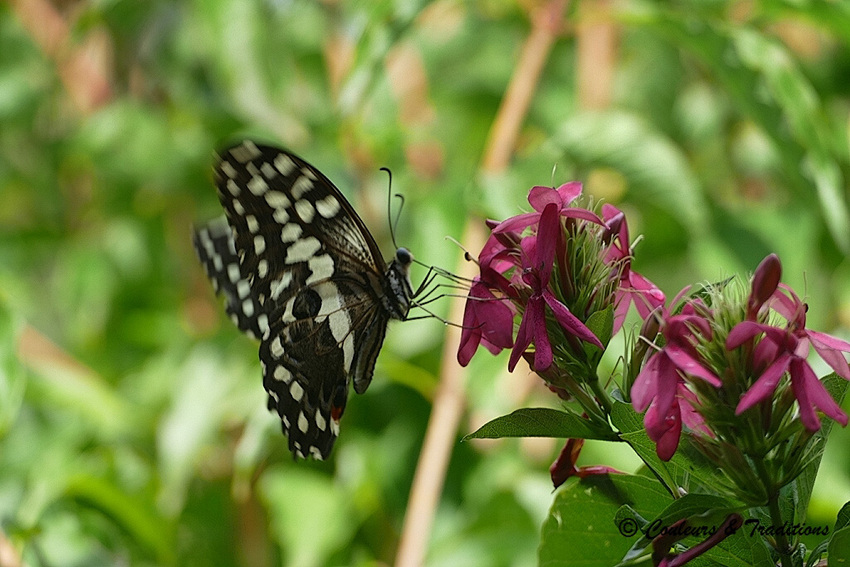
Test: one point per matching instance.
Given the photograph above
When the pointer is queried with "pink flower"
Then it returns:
(633, 286)
(660, 384)
(538, 258)
(785, 350)
(565, 465)
(662, 543)
(540, 198)
(487, 320)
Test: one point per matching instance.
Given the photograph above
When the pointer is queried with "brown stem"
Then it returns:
(449, 399)
(81, 68)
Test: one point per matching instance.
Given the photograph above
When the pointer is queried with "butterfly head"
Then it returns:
(397, 288)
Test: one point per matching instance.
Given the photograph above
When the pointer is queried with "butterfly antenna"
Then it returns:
(390, 220)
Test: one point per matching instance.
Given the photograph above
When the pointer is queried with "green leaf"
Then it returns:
(601, 324)
(763, 80)
(843, 519)
(581, 528)
(134, 512)
(706, 511)
(310, 516)
(703, 509)
(656, 168)
(839, 548)
(540, 422)
(687, 469)
(801, 489)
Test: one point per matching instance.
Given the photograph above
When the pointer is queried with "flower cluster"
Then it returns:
(723, 366)
(731, 367)
(553, 268)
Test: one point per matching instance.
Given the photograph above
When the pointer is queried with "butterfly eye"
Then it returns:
(403, 256)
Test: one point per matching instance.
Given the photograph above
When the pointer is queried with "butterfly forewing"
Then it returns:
(300, 270)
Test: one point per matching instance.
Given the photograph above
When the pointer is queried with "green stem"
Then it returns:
(602, 396)
(585, 401)
(781, 544)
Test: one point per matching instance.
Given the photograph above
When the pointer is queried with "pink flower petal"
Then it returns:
(569, 191)
(516, 224)
(522, 341)
(743, 332)
(766, 384)
(689, 365)
(808, 416)
(818, 394)
(568, 321)
(542, 346)
(539, 197)
(547, 239)
(579, 213)
(646, 383)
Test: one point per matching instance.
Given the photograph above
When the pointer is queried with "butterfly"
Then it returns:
(300, 271)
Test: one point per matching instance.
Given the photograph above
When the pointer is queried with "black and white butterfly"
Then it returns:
(300, 271)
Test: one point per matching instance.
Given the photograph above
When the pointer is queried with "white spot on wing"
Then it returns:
(279, 285)
(296, 391)
(284, 164)
(263, 323)
(328, 207)
(338, 319)
(269, 171)
(322, 267)
(290, 232)
(253, 225)
(259, 244)
(248, 307)
(277, 200)
(305, 210)
(243, 289)
(258, 185)
(303, 424)
(245, 152)
(301, 186)
(228, 169)
(233, 272)
(233, 188)
(281, 374)
(302, 250)
(263, 268)
(320, 421)
(276, 348)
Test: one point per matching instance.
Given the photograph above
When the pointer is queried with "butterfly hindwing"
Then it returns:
(216, 249)
(311, 283)
(311, 354)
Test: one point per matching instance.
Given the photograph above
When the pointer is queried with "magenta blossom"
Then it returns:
(540, 198)
(564, 466)
(487, 321)
(633, 286)
(538, 259)
(661, 384)
(785, 350)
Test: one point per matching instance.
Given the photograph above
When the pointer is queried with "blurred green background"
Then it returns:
(133, 428)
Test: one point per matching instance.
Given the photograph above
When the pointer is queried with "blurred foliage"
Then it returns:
(133, 427)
